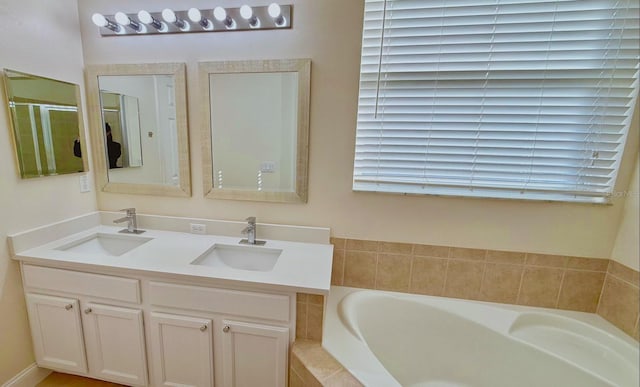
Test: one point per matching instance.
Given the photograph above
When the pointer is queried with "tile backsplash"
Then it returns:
(551, 281)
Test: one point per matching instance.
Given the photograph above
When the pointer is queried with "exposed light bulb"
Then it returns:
(194, 14)
(246, 12)
(99, 20)
(220, 13)
(123, 19)
(274, 10)
(169, 16)
(145, 17)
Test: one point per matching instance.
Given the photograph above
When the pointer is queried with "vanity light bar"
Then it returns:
(243, 18)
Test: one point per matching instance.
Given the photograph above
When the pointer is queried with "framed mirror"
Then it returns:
(46, 120)
(255, 136)
(138, 116)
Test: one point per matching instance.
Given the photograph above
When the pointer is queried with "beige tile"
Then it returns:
(395, 248)
(318, 361)
(636, 332)
(342, 379)
(540, 286)
(296, 365)
(463, 279)
(501, 283)
(581, 290)
(337, 268)
(361, 245)
(623, 272)
(294, 379)
(427, 276)
(338, 243)
(314, 322)
(619, 304)
(301, 297)
(546, 260)
(580, 263)
(511, 257)
(431, 251)
(301, 320)
(360, 269)
(393, 272)
(464, 253)
(317, 299)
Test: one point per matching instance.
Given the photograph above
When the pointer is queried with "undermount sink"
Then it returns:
(104, 244)
(239, 257)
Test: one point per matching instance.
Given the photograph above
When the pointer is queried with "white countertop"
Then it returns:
(302, 267)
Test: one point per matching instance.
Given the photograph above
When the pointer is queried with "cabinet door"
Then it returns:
(254, 354)
(182, 350)
(115, 344)
(57, 333)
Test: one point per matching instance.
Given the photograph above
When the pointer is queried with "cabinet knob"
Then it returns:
(68, 306)
(87, 311)
(226, 329)
(203, 328)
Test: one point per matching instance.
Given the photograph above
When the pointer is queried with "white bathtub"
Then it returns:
(393, 339)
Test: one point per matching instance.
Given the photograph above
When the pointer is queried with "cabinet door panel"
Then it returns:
(254, 354)
(115, 344)
(182, 350)
(57, 333)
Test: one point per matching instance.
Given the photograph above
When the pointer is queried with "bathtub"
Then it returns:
(391, 339)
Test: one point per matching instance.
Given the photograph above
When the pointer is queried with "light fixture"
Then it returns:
(221, 15)
(196, 16)
(218, 19)
(126, 21)
(247, 13)
(101, 21)
(275, 11)
(146, 18)
(170, 17)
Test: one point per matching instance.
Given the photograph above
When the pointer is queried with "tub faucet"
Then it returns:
(250, 232)
(132, 224)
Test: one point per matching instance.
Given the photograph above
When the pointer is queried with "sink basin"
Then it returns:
(104, 244)
(239, 257)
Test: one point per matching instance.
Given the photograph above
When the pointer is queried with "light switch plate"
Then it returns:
(197, 228)
(84, 183)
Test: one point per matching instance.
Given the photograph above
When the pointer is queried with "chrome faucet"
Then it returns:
(132, 224)
(250, 232)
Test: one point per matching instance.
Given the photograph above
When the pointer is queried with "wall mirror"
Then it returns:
(256, 133)
(46, 119)
(139, 128)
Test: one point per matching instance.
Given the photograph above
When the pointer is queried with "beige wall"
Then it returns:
(45, 43)
(627, 245)
(329, 32)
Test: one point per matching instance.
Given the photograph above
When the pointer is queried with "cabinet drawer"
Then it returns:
(103, 286)
(258, 305)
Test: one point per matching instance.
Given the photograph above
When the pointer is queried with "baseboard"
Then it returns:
(28, 377)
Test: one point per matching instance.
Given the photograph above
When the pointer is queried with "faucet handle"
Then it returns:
(251, 220)
(129, 211)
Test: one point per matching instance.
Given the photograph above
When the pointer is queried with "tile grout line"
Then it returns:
(604, 285)
(564, 272)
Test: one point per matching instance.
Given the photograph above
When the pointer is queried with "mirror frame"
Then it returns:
(178, 71)
(303, 68)
(13, 125)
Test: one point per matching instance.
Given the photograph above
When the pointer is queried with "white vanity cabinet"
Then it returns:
(56, 331)
(182, 350)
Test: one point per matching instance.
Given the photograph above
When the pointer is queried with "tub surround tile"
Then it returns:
(464, 253)
(301, 320)
(501, 283)
(636, 332)
(511, 257)
(624, 273)
(546, 260)
(431, 251)
(342, 379)
(309, 316)
(594, 264)
(427, 276)
(393, 272)
(294, 379)
(620, 304)
(463, 279)
(360, 269)
(540, 286)
(314, 321)
(395, 248)
(581, 290)
(361, 245)
(312, 366)
(337, 268)
(338, 243)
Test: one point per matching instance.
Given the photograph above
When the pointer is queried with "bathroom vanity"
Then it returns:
(167, 308)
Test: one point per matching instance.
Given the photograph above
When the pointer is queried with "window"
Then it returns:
(526, 99)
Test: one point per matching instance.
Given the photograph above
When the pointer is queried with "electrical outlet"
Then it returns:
(197, 228)
(267, 167)
(84, 183)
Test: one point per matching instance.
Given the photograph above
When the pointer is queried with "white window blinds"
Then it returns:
(496, 98)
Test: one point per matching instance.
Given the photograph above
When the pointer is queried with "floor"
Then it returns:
(64, 380)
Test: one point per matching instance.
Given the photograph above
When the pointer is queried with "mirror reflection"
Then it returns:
(47, 124)
(257, 128)
(138, 118)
